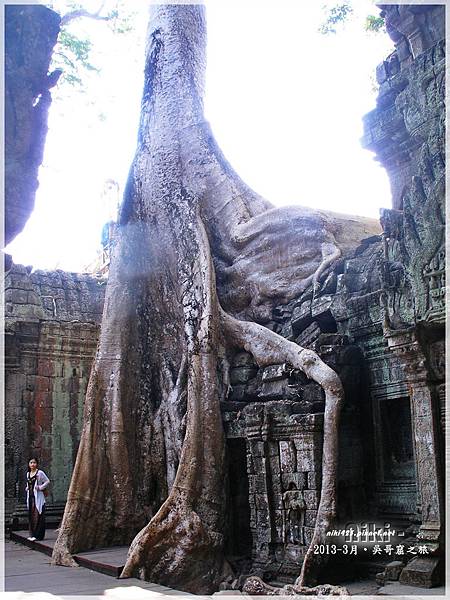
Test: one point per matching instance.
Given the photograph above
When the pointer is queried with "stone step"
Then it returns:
(18, 519)
(109, 561)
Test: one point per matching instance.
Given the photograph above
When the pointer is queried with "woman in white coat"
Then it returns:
(37, 481)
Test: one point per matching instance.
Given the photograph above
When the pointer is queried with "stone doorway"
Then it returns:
(239, 536)
(397, 489)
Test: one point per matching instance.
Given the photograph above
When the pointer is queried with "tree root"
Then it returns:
(254, 586)
(61, 556)
(268, 348)
(174, 548)
(330, 253)
(182, 546)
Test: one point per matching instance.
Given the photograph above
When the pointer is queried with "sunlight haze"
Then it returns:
(285, 104)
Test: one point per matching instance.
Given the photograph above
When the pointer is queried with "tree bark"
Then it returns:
(199, 257)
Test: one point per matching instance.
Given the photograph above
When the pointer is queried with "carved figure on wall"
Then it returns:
(293, 515)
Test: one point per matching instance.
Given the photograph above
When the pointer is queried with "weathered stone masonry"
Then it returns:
(407, 132)
(51, 330)
(384, 309)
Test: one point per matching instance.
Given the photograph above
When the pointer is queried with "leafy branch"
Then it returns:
(340, 13)
(374, 24)
(72, 52)
(336, 15)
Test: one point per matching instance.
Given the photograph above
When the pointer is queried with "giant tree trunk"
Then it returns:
(199, 262)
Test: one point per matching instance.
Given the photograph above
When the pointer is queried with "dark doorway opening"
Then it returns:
(398, 452)
(396, 489)
(239, 536)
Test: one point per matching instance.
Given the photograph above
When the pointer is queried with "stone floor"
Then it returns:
(27, 570)
(29, 575)
(393, 588)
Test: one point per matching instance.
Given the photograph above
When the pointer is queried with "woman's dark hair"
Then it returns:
(30, 459)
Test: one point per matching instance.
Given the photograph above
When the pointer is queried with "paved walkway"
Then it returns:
(27, 570)
(29, 575)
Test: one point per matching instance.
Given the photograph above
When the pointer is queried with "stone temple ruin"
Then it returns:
(378, 320)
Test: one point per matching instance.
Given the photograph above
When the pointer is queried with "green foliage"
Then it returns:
(336, 15)
(72, 56)
(340, 13)
(374, 24)
(72, 53)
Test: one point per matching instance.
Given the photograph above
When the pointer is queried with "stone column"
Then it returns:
(256, 433)
(422, 571)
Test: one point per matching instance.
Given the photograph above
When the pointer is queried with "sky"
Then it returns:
(285, 104)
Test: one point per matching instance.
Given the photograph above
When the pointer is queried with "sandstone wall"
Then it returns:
(51, 330)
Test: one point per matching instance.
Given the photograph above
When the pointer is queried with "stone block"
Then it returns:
(310, 518)
(74, 309)
(42, 384)
(14, 280)
(273, 390)
(30, 382)
(274, 373)
(72, 295)
(16, 296)
(329, 285)
(308, 534)
(312, 499)
(301, 316)
(304, 441)
(250, 465)
(26, 311)
(308, 460)
(33, 298)
(421, 572)
(276, 486)
(298, 479)
(237, 393)
(274, 462)
(257, 448)
(314, 394)
(277, 499)
(241, 375)
(27, 398)
(282, 312)
(272, 449)
(259, 464)
(287, 332)
(314, 480)
(288, 459)
(393, 570)
(257, 483)
(43, 399)
(46, 367)
(314, 422)
(295, 553)
(321, 305)
(15, 381)
(309, 335)
(262, 518)
(261, 503)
